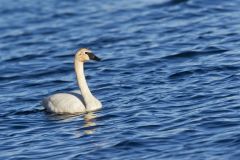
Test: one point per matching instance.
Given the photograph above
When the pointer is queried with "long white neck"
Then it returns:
(82, 83)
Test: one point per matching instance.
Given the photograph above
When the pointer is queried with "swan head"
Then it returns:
(85, 54)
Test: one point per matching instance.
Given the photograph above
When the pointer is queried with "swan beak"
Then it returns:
(93, 56)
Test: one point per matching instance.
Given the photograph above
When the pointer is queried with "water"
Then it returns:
(169, 79)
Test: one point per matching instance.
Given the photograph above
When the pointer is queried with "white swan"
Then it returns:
(75, 101)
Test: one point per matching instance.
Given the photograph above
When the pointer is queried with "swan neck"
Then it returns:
(82, 83)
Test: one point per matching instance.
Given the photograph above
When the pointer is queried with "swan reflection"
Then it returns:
(84, 124)
(89, 120)
(88, 128)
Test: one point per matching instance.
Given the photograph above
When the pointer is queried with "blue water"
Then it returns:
(169, 80)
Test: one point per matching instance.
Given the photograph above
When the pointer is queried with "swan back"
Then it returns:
(64, 103)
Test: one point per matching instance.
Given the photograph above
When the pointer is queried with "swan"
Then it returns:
(75, 101)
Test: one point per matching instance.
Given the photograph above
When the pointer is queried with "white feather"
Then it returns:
(64, 103)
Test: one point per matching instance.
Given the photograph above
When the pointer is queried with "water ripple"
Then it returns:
(168, 80)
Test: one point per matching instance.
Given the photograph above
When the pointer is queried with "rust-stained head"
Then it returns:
(85, 54)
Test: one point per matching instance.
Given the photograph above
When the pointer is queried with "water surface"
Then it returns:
(169, 79)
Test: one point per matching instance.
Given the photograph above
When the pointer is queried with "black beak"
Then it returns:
(92, 56)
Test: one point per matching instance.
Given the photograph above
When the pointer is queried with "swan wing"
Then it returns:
(65, 103)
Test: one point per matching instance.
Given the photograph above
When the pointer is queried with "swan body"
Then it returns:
(75, 101)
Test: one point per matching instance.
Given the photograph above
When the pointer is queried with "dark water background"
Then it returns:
(169, 81)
